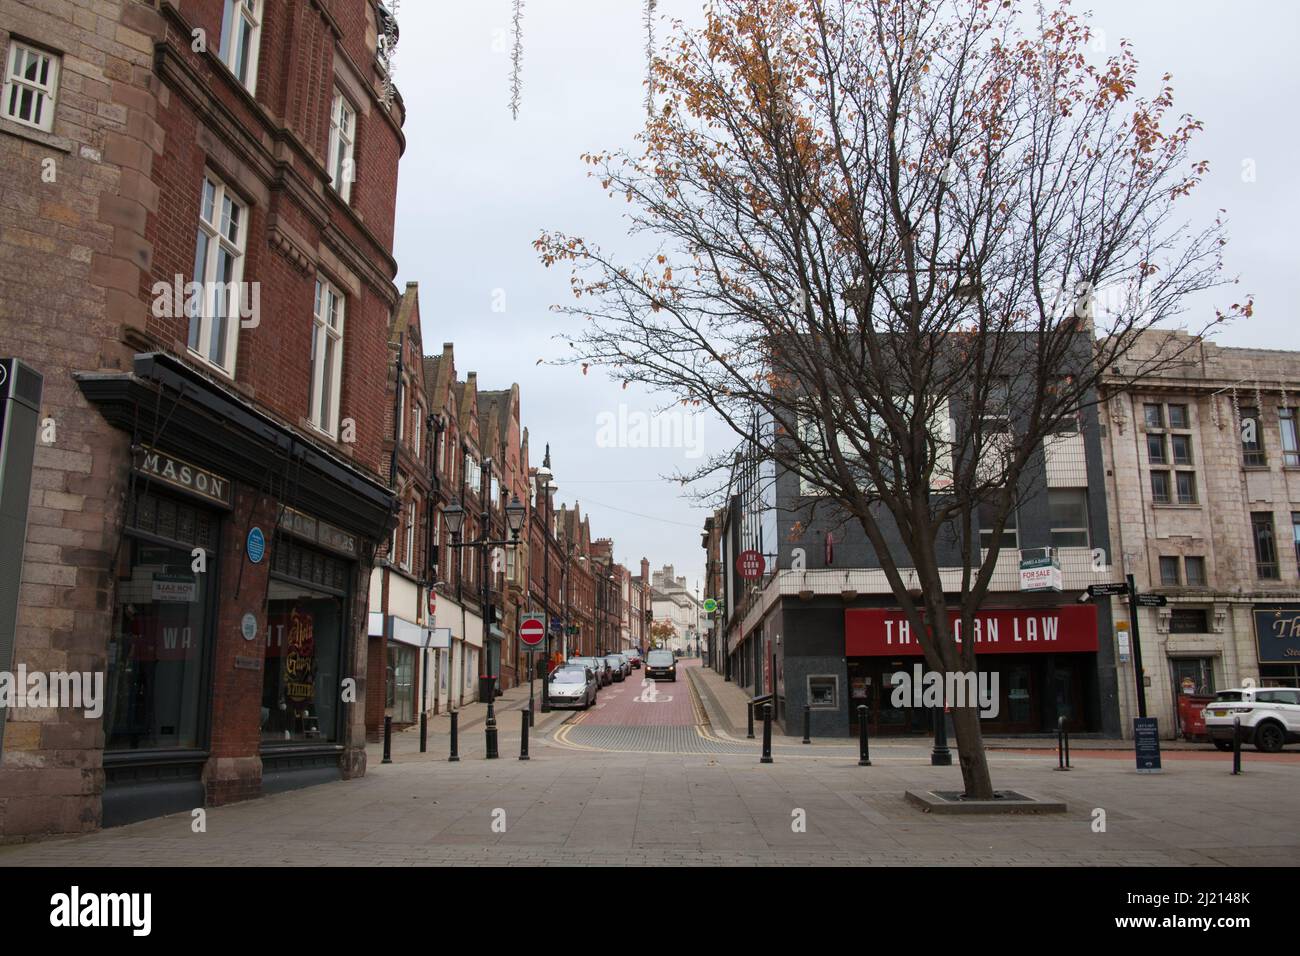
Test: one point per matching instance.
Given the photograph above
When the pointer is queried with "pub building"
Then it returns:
(240, 598)
(819, 625)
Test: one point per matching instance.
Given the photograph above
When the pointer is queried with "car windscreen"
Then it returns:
(1229, 695)
(573, 676)
(614, 659)
(658, 658)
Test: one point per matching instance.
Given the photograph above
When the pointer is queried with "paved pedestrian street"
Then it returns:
(645, 779)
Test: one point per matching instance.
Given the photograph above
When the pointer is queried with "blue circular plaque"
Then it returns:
(256, 545)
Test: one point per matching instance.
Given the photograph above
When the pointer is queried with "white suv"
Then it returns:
(1270, 717)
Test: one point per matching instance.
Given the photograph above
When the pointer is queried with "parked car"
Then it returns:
(634, 657)
(661, 665)
(572, 687)
(1270, 717)
(603, 673)
(622, 669)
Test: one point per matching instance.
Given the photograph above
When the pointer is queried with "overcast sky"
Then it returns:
(476, 188)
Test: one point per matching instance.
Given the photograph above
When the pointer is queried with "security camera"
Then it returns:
(1085, 597)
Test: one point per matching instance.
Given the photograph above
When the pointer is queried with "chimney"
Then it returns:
(645, 571)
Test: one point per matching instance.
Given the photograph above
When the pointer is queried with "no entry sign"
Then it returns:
(532, 630)
(750, 564)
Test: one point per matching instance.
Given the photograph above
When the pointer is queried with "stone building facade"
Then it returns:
(1203, 482)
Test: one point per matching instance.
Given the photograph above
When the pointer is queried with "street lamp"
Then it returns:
(454, 515)
(543, 477)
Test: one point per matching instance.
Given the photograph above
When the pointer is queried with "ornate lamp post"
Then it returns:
(544, 486)
(454, 515)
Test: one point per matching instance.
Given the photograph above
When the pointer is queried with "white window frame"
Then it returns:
(417, 427)
(327, 295)
(242, 12)
(44, 93)
(212, 238)
(342, 153)
(410, 537)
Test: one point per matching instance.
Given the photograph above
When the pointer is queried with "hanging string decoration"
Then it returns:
(1214, 411)
(650, 56)
(516, 59)
(388, 48)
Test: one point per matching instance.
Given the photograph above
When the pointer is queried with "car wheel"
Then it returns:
(1269, 738)
(1223, 744)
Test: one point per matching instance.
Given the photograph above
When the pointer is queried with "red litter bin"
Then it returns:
(1191, 715)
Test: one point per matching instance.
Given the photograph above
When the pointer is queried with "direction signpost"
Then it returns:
(1146, 732)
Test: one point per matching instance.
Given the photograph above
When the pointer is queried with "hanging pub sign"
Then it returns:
(181, 475)
(1277, 633)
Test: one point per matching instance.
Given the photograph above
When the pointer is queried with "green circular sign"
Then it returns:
(710, 605)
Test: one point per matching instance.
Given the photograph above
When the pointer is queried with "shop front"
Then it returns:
(236, 588)
(160, 650)
(1035, 665)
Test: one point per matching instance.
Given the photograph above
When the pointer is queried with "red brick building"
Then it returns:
(399, 586)
(207, 290)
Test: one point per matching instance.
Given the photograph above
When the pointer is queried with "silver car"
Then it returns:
(572, 686)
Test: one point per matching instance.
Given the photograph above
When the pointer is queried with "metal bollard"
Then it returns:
(388, 740)
(864, 755)
(523, 737)
(1062, 745)
(750, 734)
(455, 737)
(767, 734)
(807, 723)
(424, 731)
(1236, 746)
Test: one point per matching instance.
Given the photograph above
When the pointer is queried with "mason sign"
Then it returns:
(183, 476)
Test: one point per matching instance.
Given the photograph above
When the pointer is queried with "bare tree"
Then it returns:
(897, 244)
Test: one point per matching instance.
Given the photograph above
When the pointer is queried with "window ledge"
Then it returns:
(23, 131)
(1176, 506)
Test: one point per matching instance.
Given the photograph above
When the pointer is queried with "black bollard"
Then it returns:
(424, 731)
(1236, 746)
(1062, 745)
(490, 728)
(455, 737)
(388, 740)
(750, 734)
(523, 737)
(807, 724)
(864, 756)
(767, 734)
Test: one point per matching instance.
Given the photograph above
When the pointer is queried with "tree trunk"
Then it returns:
(970, 750)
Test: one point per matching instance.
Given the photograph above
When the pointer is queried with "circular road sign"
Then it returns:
(532, 631)
(750, 564)
(710, 605)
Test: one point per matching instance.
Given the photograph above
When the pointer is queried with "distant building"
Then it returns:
(671, 601)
